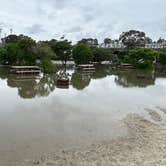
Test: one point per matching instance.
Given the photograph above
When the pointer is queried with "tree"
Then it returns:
(12, 53)
(3, 56)
(102, 54)
(160, 41)
(133, 39)
(82, 54)
(107, 41)
(89, 41)
(162, 58)
(11, 39)
(148, 40)
(14, 38)
(62, 49)
(45, 51)
(27, 52)
(45, 54)
(142, 58)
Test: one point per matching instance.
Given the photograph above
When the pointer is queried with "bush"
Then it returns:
(142, 58)
(82, 54)
(101, 54)
(3, 56)
(162, 58)
(47, 66)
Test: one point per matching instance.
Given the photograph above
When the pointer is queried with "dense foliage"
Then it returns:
(82, 54)
(162, 58)
(101, 54)
(134, 39)
(20, 53)
(142, 58)
(62, 49)
(23, 50)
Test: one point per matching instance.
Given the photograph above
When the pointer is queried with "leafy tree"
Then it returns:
(148, 40)
(107, 41)
(47, 66)
(62, 49)
(44, 51)
(26, 52)
(14, 38)
(9, 54)
(45, 54)
(133, 39)
(102, 54)
(12, 53)
(3, 56)
(82, 54)
(11, 39)
(142, 58)
(162, 58)
(160, 41)
(89, 41)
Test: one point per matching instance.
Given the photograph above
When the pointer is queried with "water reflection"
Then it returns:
(30, 86)
(81, 80)
(135, 78)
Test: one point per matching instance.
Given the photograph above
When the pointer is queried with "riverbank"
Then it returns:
(145, 145)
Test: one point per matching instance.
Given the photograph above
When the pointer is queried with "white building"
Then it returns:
(156, 45)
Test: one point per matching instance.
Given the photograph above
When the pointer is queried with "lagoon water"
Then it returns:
(37, 117)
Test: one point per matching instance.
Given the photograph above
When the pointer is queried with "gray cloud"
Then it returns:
(35, 29)
(79, 18)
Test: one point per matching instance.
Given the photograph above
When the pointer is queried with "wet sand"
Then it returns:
(145, 145)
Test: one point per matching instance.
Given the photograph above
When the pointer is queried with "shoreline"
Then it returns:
(145, 145)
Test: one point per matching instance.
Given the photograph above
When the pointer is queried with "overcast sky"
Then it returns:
(46, 19)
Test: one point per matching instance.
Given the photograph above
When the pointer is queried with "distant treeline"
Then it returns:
(23, 50)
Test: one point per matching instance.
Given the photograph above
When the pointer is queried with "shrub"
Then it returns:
(82, 54)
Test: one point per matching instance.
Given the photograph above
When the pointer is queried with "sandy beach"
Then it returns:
(145, 145)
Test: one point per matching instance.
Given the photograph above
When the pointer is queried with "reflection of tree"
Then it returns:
(160, 74)
(101, 72)
(63, 80)
(46, 85)
(131, 78)
(30, 86)
(80, 80)
(4, 72)
(26, 87)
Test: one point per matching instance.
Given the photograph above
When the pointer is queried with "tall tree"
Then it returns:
(14, 38)
(107, 41)
(89, 41)
(62, 49)
(133, 39)
(27, 51)
(82, 54)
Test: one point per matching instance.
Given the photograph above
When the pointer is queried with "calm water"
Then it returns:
(37, 117)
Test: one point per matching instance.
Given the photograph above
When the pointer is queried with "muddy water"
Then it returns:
(37, 117)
